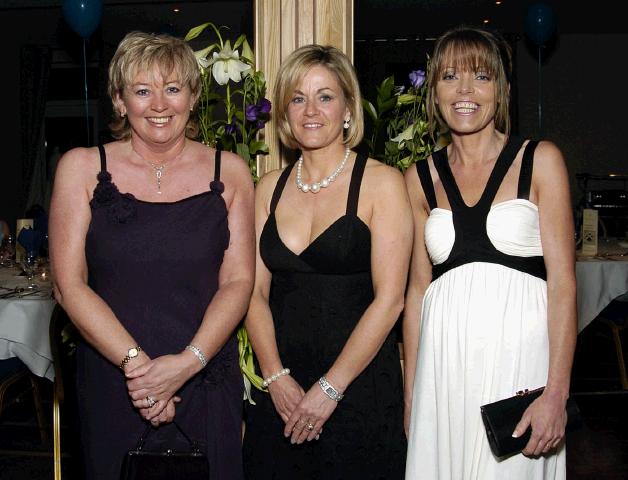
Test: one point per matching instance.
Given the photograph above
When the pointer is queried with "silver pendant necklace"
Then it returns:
(159, 169)
(325, 182)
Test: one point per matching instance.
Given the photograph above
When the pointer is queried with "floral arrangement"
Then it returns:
(232, 106)
(402, 118)
(232, 110)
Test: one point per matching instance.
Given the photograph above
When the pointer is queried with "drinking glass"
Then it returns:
(29, 265)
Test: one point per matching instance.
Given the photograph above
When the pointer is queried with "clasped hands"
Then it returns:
(303, 413)
(153, 384)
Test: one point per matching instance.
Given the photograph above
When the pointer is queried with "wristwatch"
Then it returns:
(132, 353)
(329, 390)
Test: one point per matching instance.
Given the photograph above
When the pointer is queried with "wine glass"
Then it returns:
(29, 265)
(7, 251)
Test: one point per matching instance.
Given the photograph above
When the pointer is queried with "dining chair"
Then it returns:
(61, 339)
(615, 316)
(15, 382)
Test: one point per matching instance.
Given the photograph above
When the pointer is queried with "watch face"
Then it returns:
(330, 391)
(133, 352)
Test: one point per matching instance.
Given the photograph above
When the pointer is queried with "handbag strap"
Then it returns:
(149, 429)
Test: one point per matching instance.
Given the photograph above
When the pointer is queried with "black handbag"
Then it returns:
(500, 419)
(141, 464)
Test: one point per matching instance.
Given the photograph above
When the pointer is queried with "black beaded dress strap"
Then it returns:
(423, 169)
(216, 185)
(103, 158)
(525, 174)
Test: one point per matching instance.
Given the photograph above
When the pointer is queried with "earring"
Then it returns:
(122, 114)
(346, 124)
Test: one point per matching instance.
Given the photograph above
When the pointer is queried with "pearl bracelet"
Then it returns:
(196, 351)
(275, 376)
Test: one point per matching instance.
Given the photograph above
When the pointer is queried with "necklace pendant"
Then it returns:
(315, 188)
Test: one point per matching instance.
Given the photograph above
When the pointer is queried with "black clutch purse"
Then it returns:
(140, 464)
(500, 419)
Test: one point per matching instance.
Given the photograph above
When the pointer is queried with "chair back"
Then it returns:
(63, 336)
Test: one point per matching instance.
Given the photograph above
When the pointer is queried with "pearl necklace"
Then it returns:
(159, 169)
(325, 182)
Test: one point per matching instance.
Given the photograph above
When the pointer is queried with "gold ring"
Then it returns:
(309, 426)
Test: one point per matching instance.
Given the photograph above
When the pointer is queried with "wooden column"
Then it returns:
(281, 26)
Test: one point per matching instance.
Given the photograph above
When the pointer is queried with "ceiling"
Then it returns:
(435, 16)
(385, 18)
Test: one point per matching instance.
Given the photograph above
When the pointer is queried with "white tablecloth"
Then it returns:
(601, 279)
(24, 324)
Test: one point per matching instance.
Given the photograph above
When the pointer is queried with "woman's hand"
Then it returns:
(286, 394)
(547, 417)
(165, 416)
(157, 380)
(308, 418)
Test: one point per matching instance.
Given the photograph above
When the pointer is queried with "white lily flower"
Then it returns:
(227, 65)
(405, 135)
(201, 57)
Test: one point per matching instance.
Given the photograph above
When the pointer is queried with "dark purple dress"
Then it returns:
(156, 265)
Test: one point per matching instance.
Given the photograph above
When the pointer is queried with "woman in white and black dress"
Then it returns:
(490, 307)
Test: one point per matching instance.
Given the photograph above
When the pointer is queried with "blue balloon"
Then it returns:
(540, 23)
(83, 16)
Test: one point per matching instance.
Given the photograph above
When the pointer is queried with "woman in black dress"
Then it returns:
(155, 270)
(334, 235)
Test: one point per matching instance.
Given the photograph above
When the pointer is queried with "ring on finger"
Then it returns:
(309, 426)
(151, 401)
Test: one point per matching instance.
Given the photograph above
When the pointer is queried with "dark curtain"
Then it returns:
(35, 63)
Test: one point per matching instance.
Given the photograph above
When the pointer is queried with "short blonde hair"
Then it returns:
(469, 49)
(139, 51)
(292, 71)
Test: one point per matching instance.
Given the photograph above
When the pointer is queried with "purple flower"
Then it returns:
(260, 124)
(251, 112)
(232, 128)
(264, 105)
(417, 78)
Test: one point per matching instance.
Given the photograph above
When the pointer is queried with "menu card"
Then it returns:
(19, 249)
(589, 231)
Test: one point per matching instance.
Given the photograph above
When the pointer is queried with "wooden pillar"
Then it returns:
(281, 26)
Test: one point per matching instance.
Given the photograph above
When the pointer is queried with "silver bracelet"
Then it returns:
(196, 351)
(275, 376)
(329, 389)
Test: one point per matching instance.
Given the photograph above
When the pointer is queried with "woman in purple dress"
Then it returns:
(152, 249)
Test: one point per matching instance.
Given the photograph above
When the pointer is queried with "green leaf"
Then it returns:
(196, 31)
(256, 147)
(406, 98)
(369, 109)
(248, 53)
(243, 151)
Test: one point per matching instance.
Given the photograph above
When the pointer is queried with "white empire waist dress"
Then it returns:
(483, 337)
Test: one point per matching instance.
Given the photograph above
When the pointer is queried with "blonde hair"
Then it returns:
(292, 71)
(141, 52)
(470, 49)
